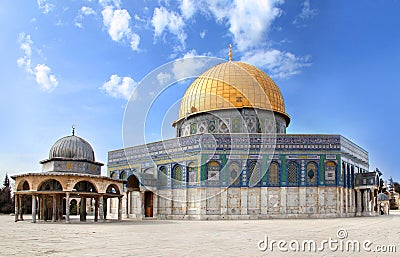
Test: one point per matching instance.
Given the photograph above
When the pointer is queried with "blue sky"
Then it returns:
(76, 62)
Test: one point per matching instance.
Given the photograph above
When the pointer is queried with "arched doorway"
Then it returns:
(133, 198)
(73, 207)
(85, 190)
(50, 201)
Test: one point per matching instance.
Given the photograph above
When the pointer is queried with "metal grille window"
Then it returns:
(273, 173)
(292, 173)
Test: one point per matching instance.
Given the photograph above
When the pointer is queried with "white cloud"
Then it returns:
(306, 13)
(117, 24)
(248, 20)
(87, 11)
(84, 11)
(25, 62)
(279, 64)
(44, 78)
(120, 87)
(41, 72)
(203, 34)
(164, 20)
(187, 8)
(45, 6)
(115, 3)
(163, 77)
(25, 43)
(134, 41)
(189, 66)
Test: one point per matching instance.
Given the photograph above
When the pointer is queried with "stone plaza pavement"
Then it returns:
(200, 238)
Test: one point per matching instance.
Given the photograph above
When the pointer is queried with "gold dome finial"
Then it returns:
(230, 52)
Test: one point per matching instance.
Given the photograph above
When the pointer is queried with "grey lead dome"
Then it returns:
(72, 147)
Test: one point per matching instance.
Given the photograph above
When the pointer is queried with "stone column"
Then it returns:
(369, 201)
(359, 201)
(341, 201)
(67, 207)
(365, 201)
(96, 209)
(54, 216)
(346, 196)
(82, 212)
(101, 208)
(41, 207)
(21, 208)
(127, 203)
(373, 202)
(16, 211)
(59, 207)
(120, 208)
(33, 208)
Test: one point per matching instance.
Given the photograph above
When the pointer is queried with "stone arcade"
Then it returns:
(70, 182)
(232, 159)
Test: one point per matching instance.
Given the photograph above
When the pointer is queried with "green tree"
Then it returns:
(396, 187)
(6, 200)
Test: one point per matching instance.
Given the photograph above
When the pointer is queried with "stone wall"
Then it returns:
(255, 203)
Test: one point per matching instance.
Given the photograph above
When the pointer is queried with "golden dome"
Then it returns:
(232, 85)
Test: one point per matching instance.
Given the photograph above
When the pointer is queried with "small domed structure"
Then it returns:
(72, 154)
(72, 147)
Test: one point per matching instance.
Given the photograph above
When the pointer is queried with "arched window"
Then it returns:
(192, 174)
(293, 174)
(273, 177)
(234, 174)
(163, 176)
(213, 169)
(253, 175)
(123, 175)
(330, 172)
(177, 176)
(312, 172)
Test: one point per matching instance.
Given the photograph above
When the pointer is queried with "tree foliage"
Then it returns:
(396, 187)
(6, 199)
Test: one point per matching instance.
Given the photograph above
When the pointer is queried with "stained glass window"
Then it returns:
(213, 168)
(330, 172)
(312, 171)
(234, 173)
(177, 175)
(162, 176)
(192, 174)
